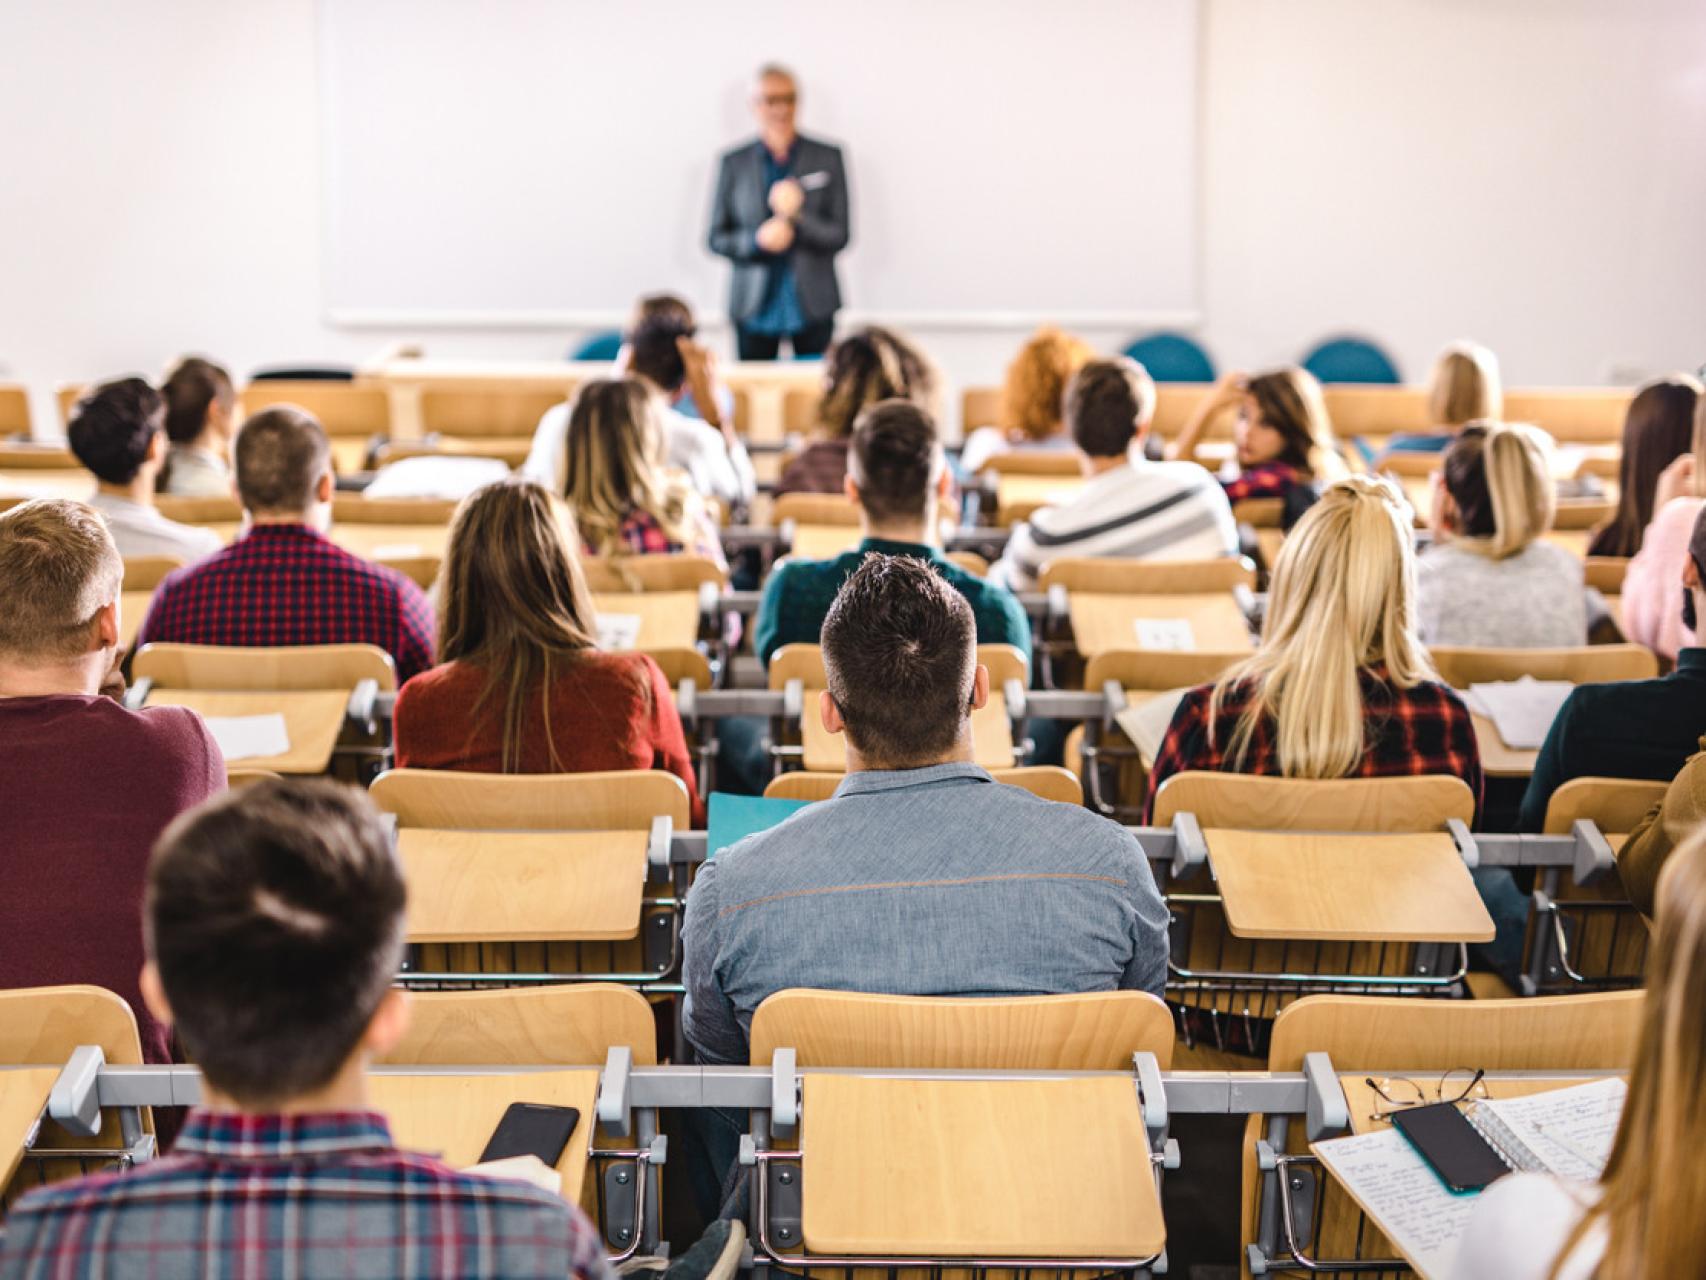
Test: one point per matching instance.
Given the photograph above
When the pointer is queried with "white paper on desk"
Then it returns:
(618, 631)
(449, 476)
(396, 551)
(249, 737)
(1567, 1132)
(1146, 722)
(529, 1168)
(1403, 1195)
(1522, 710)
(1171, 634)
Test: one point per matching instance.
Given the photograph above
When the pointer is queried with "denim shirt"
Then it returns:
(932, 881)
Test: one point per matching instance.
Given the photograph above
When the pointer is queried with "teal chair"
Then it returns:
(600, 346)
(1350, 360)
(1172, 357)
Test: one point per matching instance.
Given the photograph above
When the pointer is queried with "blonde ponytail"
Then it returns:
(1499, 477)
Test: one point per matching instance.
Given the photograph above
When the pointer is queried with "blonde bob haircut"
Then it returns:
(1464, 386)
(615, 455)
(1500, 480)
(1343, 598)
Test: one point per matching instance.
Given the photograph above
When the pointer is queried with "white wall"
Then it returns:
(1527, 172)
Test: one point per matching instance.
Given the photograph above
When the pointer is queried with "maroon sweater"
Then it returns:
(86, 787)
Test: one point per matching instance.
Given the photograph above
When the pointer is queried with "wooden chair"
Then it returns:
(348, 409)
(800, 409)
(215, 511)
(144, 573)
(1571, 415)
(14, 410)
(970, 561)
(541, 1026)
(265, 670)
(66, 395)
(510, 450)
(1461, 667)
(1117, 604)
(816, 509)
(476, 413)
(618, 800)
(353, 508)
(1605, 573)
(1050, 782)
(235, 778)
(1378, 411)
(1366, 1035)
(1108, 575)
(1034, 462)
(28, 455)
(1250, 803)
(980, 407)
(651, 573)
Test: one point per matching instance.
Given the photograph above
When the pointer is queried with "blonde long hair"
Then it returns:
(1500, 480)
(1652, 1200)
(614, 465)
(1464, 386)
(1343, 598)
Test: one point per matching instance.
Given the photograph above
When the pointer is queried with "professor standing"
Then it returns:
(780, 217)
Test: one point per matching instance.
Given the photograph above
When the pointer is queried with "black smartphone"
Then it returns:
(532, 1129)
(1463, 1159)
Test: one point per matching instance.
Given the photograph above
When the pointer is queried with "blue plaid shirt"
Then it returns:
(780, 311)
(296, 1195)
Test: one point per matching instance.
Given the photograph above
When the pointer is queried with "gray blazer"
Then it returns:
(820, 231)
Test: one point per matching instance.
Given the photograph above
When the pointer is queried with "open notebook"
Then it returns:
(1566, 1132)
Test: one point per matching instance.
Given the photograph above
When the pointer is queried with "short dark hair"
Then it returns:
(274, 915)
(1107, 401)
(894, 458)
(193, 384)
(112, 427)
(653, 353)
(280, 455)
(900, 652)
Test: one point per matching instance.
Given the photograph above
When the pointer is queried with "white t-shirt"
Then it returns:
(142, 531)
(1520, 1223)
(693, 445)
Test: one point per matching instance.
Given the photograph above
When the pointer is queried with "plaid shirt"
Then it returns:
(641, 534)
(286, 584)
(1266, 480)
(1422, 730)
(295, 1195)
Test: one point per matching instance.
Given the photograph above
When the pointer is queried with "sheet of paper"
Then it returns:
(1172, 634)
(1145, 723)
(249, 737)
(1570, 1130)
(452, 477)
(1405, 1198)
(618, 631)
(1522, 710)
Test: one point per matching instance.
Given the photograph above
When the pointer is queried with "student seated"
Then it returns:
(284, 582)
(862, 368)
(85, 785)
(1646, 1215)
(1650, 615)
(660, 351)
(1667, 824)
(1490, 578)
(921, 875)
(668, 308)
(1340, 686)
(625, 503)
(117, 432)
(274, 931)
(1129, 506)
(898, 476)
(521, 686)
(201, 416)
(1658, 429)
(1629, 728)
(1282, 436)
(1464, 387)
(1030, 401)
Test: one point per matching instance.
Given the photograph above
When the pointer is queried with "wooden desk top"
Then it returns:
(23, 1099)
(453, 1116)
(991, 732)
(824, 541)
(981, 1168)
(312, 719)
(1498, 760)
(1341, 888)
(381, 542)
(77, 485)
(668, 619)
(433, 372)
(509, 886)
(1103, 623)
(1018, 495)
(1361, 1099)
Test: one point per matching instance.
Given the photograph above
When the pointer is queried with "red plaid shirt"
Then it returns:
(1422, 730)
(286, 584)
(1267, 480)
(640, 534)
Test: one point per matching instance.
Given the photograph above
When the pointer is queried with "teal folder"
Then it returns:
(732, 818)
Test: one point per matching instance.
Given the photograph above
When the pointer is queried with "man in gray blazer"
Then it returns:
(780, 216)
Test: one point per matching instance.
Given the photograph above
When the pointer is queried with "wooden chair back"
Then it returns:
(342, 408)
(233, 668)
(1614, 805)
(510, 450)
(799, 409)
(1572, 415)
(1582, 513)
(1260, 513)
(1112, 576)
(144, 573)
(1092, 1032)
(650, 573)
(970, 561)
(27, 455)
(1157, 668)
(1246, 802)
(422, 570)
(235, 778)
(682, 664)
(14, 410)
(979, 407)
(617, 800)
(1050, 782)
(66, 395)
(1461, 667)
(493, 411)
(804, 662)
(570, 1025)
(1357, 410)
(1605, 573)
(1034, 462)
(353, 508)
(40, 1026)
(198, 510)
(816, 508)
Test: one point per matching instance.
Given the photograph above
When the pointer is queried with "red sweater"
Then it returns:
(602, 717)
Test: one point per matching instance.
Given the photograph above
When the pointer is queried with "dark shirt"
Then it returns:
(780, 310)
(1626, 729)
(798, 595)
(86, 788)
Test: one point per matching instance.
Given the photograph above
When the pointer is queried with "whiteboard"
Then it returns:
(547, 161)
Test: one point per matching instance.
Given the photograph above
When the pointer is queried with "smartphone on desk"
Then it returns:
(532, 1129)
(1453, 1148)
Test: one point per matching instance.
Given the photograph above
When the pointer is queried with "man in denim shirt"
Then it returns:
(922, 875)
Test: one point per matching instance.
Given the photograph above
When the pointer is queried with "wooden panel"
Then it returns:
(1036, 462)
(823, 541)
(1292, 804)
(1605, 573)
(570, 1025)
(353, 508)
(393, 544)
(991, 731)
(23, 1099)
(668, 619)
(42, 1025)
(342, 408)
(132, 610)
(1113, 575)
(35, 456)
(650, 573)
(230, 668)
(204, 511)
(1138, 669)
(1590, 415)
(312, 721)
(1016, 496)
(1175, 402)
(1097, 1031)
(512, 451)
(1377, 411)
(1101, 623)
(615, 800)
(1049, 782)
(143, 573)
(499, 411)
(1346, 888)
(1613, 804)
(21, 486)
(14, 410)
(817, 508)
(980, 407)
(508, 886)
(799, 410)
(1074, 1179)
(804, 662)
(1461, 667)
(453, 1117)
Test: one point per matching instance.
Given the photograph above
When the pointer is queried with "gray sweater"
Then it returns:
(1532, 600)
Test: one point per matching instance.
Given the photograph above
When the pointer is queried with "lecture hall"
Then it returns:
(1104, 596)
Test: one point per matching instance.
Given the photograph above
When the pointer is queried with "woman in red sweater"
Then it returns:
(521, 686)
